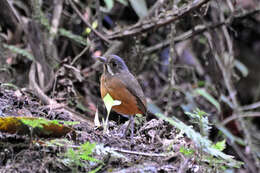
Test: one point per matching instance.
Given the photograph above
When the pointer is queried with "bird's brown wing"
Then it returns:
(135, 89)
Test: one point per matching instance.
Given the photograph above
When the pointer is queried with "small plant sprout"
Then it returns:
(109, 103)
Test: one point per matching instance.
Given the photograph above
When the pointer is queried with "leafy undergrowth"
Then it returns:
(159, 145)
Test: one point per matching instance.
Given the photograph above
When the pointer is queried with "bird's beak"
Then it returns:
(102, 59)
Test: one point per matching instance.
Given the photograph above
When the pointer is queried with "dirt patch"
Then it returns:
(149, 151)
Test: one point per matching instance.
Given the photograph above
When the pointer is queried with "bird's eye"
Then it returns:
(114, 64)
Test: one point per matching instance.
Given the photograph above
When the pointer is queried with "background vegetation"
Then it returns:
(196, 60)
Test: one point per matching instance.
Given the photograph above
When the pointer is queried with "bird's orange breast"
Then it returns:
(118, 91)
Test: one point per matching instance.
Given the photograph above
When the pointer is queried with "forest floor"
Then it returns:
(156, 147)
(197, 62)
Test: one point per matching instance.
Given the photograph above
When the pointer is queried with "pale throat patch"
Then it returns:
(110, 70)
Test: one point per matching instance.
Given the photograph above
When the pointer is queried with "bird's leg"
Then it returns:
(125, 129)
(132, 127)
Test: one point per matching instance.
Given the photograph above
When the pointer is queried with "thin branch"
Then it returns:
(161, 20)
(241, 115)
(172, 74)
(250, 107)
(79, 55)
(56, 18)
(88, 24)
(246, 14)
(152, 10)
(184, 36)
(142, 153)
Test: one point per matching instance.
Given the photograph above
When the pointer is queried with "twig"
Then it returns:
(155, 6)
(186, 35)
(248, 162)
(241, 115)
(226, 69)
(198, 30)
(33, 84)
(251, 106)
(184, 165)
(231, 88)
(172, 75)
(79, 55)
(246, 14)
(161, 20)
(142, 153)
(56, 18)
(88, 24)
(230, 5)
(51, 102)
(99, 15)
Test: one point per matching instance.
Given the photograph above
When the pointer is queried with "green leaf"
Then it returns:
(82, 153)
(186, 151)
(96, 170)
(19, 51)
(206, 95)
(87, 31)
(229, 135)
(110, 102)
(124, 2)
(95, 24)
(241, 67)
(139, 7)
(202, 142)
(72, 36)
(221, 145)
(10, 85)
(69, 123)
(39, 122)
(109, 4)
(201, 118)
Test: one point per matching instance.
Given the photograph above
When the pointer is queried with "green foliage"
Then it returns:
(109, 4)
(39, 15)
(109, 103)
(229, 135)
(88, 30)
(200, 117)
(77, 157)
(221, 145)
(86, 150)
(19, 51)
(39, 122)
(124, 2)
(72, 36)
(10, 85)
(68, 123)
(241, 67)
(96, 170)
(60, 142)
(186, 151)
(207, 96)
(202, 142)
(139, 119)
(139, 7)
(203, 40)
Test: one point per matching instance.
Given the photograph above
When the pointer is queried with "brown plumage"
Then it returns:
(123, 86)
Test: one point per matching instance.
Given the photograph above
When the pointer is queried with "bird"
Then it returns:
(121, 85)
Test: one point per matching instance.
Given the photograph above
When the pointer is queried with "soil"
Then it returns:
(146, 153)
